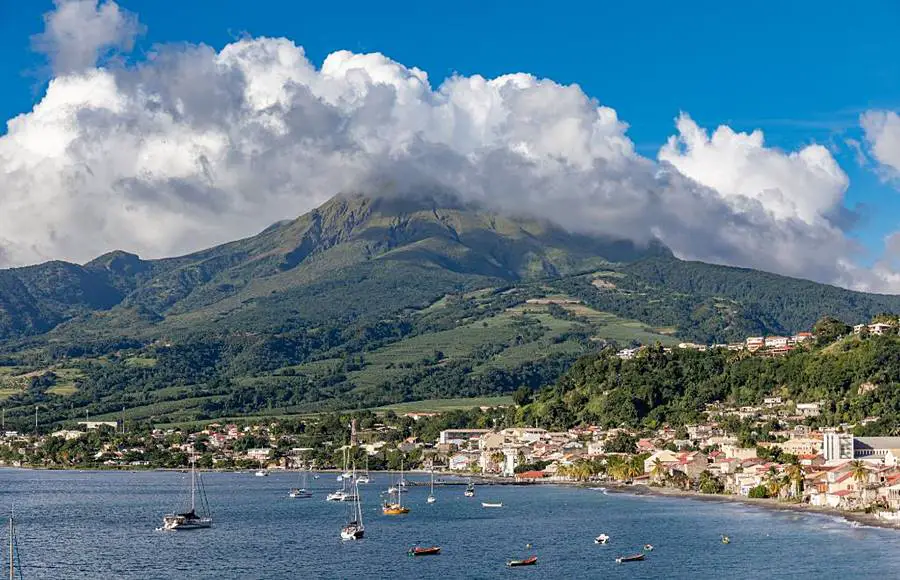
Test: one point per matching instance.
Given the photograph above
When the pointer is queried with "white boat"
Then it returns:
(300, 492)
(363, 479)
(392, 489)
(601, 539)
(431, 498)
(262, 473)
(470, 490)
(190, 520)
(354, 529)
(485, 504)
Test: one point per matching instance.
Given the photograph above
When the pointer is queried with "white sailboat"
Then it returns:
(354, 529)
(431, 498)
(300, 492)
(190, 520)
(346, 493)
(364, 478)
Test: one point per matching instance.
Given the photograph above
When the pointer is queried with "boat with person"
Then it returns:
(632, 558)
(300, 492)
(354, 530)
(191, 520)
(648, 547)
(726, 539)
(486, 504)
(601, 539)
(526, 562)
(395, 508)
(431, 498)
(420, 551)
(470, 489)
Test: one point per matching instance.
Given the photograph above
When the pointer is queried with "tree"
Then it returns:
(621, 442)
(795, 475)
(522, 396)
(658, 471)
(828, 329)
(860, 474)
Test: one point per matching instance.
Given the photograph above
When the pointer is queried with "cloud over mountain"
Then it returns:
(192, 147)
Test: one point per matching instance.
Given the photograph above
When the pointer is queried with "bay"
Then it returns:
(77, 525)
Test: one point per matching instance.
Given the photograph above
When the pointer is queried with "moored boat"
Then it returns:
(300, 492)
(648, 547)
(420, 551)
(470, 490)
(726, 540)
(354, 530)
(601, 539)
(526, 562)
(396, 508)
(190, 520)
(486, 504)
(632, 558)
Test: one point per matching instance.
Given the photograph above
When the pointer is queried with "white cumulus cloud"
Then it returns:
(78, 32)
(882, 130)
(192, 147)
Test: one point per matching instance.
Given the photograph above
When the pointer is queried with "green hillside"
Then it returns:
(365, 302)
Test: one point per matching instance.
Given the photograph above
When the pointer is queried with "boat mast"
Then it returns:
(192, 482)
(12, 570)
(400, 484)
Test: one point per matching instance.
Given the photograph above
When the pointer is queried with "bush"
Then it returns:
(759, 492)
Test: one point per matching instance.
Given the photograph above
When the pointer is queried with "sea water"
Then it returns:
(73, 525)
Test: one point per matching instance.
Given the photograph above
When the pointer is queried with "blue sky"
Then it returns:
(801, 71)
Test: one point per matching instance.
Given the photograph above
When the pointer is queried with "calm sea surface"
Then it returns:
(102, 525)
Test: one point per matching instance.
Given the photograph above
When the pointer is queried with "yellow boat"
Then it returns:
(394, 509)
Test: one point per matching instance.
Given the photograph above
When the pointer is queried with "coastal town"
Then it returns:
(793, 463)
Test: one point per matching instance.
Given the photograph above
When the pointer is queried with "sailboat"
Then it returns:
(15, 562)
(364, 478)
(189, 520)
(300, 492)
(344, 494)
(354, 529)
(431, 498)
(396, 508)
(470, 490)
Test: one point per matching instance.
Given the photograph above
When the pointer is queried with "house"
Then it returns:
(691, 464)
(530, 476)
(666, 457)
(808, 409)
(460, 436)
(776, 341)
(772, 401)
(754, 343)
(461, 461)
(801, 337)
(877, 448)
(879, 328)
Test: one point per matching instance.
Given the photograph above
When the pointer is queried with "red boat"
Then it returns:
(430, 551)
(526, 562)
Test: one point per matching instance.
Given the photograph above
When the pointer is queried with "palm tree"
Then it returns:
(658, 471)
(773, 482)
(860, 474)
(795, 475)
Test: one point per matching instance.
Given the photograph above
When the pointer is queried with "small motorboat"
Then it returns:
(648, 547)
(486, 504)
(429, 551)
(632, 558)
(726, 540)
(526, 562)
(601, 539)
(431, 499)
(262, 473)
(299, 493)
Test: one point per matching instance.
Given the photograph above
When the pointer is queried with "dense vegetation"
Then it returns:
(365, 302)
(854, 377)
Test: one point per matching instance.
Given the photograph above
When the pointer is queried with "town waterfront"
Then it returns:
(74, 524)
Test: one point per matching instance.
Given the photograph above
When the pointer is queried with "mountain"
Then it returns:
(367, 301)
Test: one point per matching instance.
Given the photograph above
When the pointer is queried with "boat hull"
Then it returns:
(635, 558)
(432, 551)
(352, 533)
(517, 563)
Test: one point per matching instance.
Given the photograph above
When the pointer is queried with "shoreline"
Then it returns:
(766, 504)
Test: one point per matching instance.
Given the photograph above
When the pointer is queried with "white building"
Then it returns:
(837, 446)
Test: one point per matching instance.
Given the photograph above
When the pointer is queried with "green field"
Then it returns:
(441, 405)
